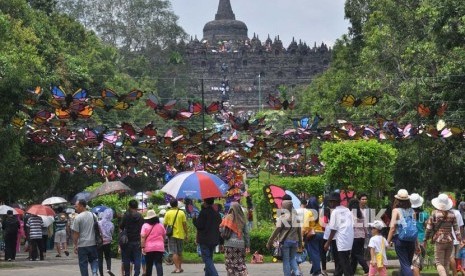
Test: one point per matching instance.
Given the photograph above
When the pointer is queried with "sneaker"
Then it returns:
(9, 259)
(58, 255)
(66, 253)
(111, 273)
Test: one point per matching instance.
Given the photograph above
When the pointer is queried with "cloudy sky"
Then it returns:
(308, 20)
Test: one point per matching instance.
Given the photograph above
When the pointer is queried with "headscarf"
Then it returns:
(235, 219)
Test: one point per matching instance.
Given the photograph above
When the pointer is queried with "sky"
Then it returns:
(307, 20)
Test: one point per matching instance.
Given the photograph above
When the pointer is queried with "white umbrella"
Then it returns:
(5, 208)
(141, 196)
(54, 200)
(48, 220)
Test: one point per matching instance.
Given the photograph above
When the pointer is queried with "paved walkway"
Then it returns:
(68, 266)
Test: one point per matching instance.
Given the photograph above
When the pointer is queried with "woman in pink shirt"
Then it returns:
(152, 242)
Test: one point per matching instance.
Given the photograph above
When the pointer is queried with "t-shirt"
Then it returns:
(343, 222)
(376, 242)
(35, 224)
(459, 218)
(178, 229)
(60, 224)
(421, 224)
(84, 225)
(155, 241)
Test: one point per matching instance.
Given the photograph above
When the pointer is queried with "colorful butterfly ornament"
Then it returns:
(351, 101)
(60, 99)
(276, 104)
(429, 112)
(18, 122)
(275, 195)
(111, 100)
(33, 95)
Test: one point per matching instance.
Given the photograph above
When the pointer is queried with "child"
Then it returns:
(377, 245)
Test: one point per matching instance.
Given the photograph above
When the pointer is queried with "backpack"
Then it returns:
(407, 226)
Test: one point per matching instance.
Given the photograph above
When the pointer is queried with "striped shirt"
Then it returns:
(35, 227)
(60, 224)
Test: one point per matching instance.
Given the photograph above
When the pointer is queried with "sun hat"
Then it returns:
(150, 214)
(377, 224)
(402, 194)
(416, 200)
(442, 202)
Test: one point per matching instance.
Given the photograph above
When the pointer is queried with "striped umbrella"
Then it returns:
(195, 185)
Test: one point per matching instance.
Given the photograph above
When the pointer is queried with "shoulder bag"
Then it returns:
(98, 235)
(278, 250)
(169, 228)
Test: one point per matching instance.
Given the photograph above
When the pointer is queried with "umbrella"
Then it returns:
(20, 211)
(99, 209)
(40, 210)
(110, 187)
(47, 220)
(195, 185)
(5, 208)
(82, 195)
(141, 196)
(54, 200)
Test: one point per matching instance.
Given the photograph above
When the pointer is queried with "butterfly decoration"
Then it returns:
(32, 96)
(346, 196)
(173, 114)
(60, 99)
(351, 101)
(242, 124)
(196, 108)
(425, 111)
(302, 122)
(154, 103)
(18, 122)
(276, 104)
(42, 117)
(111, 100)
(275, 195)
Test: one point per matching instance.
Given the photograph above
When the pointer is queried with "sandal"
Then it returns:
(178, 271)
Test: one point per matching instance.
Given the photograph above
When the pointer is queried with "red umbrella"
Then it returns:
(20, 211)
(42, 210)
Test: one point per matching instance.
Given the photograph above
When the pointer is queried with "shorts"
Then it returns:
(175, 245)
(418, 259)
(455, 252)
(60, 236)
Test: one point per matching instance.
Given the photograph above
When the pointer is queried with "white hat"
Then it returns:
(377, 224)
(416, 200)
(442, 202)
(150, 214)
(402, 194)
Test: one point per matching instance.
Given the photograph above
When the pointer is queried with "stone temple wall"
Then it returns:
(238, 64)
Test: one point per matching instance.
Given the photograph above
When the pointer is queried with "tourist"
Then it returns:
(235, 233)
(357, 255)
(208, 234)
(377, 246)
(341, 225)
(34, 224)
(456, 250)
(84, 239)
(153, 242)
(106, 230)
(313, 235)
(10, 228)
(401, 209)
(325, 216)
(421, 217)
(439, 229)
(131, 252)
(176, 218)
(61, 223)
(288, 233)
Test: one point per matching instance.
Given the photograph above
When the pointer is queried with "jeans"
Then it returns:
(154, 257)
(86, 255)
(207, 257)
(313, 250)
(131, 253)
(358, 255)
(104, 250)
(404, 251)
(289, 262)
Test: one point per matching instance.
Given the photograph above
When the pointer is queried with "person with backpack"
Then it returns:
(439, 230)
(403, 231)
(421, 216)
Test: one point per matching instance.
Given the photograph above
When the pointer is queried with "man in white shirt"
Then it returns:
(341, 225)
(456, 249)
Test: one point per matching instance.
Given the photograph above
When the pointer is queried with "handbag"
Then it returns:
(277, 246)
(123, 238)
(380, 255)
(169, 228)
(98, 235)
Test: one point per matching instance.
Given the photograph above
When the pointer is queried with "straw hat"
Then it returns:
(150, 214)
(416, 200)
(402, 194)
(442, 202)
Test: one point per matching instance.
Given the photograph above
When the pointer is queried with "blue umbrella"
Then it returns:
(99, 209)
(82, 195)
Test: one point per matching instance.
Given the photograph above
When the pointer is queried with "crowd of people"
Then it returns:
(351, 234)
